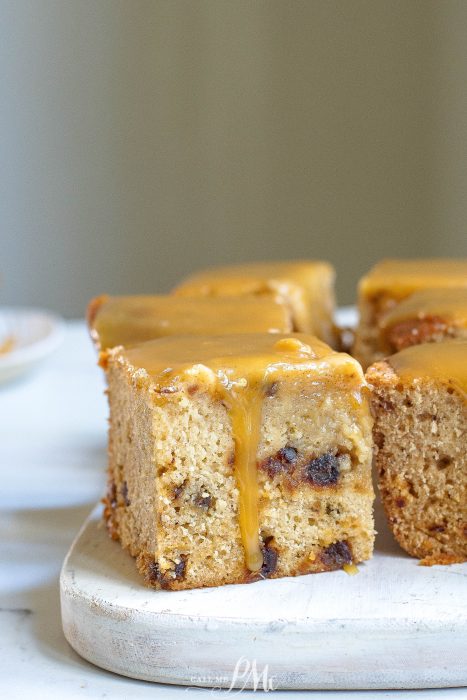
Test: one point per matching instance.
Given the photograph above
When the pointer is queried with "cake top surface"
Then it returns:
(253, 278)
(134, 319)
(404, 276)
(447, 303)
(445, 361)
(237, 358)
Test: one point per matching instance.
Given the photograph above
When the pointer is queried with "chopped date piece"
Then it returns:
(272, 388)
(270, 557)
(288, 454)
(178, 490)
(155, 575)
(180, 568)
(283, 461)
(336, 555)
(124, 492)
(112, 494)
(203, 501)
(323, 471)
(154, 572)
(385, 405)
(378, 439)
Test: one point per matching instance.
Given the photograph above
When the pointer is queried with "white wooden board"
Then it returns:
(394, 625)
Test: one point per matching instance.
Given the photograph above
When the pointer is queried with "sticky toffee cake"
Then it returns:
(419, 402)
(305, 287)
(388, 284)
(130, 320)
(238, 458)
(427, 316)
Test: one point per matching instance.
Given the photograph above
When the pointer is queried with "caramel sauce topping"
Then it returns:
(350, 569)
(239, 369)
(400, 278)
(252, 278)
(446, 361)
(303, 285)
(134, 319)
(449, 304)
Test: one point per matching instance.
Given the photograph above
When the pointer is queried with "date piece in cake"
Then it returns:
(305, 287)
(387, 285)
(419, 402)
(237, 458)
(132, 320)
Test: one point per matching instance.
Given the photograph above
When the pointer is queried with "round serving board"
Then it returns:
(393, 625)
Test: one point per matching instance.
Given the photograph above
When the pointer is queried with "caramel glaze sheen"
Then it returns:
(239, 370)
(449, 304)
(445, 361)
(253, 278)
(132, 320)
(399, 278)
(304, 286)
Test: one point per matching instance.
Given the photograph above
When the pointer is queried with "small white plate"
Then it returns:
(346, 316)
(34, 334)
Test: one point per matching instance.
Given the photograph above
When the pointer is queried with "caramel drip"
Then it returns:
(245, 405)
(238, 369)
(350, 569)
(449, 304)
(399, 278)
(446, 362)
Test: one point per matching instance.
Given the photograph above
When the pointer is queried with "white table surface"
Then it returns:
(52, 465)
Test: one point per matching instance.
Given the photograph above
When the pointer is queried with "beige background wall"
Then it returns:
(142, 139)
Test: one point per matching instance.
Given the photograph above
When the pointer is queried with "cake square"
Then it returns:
(306, 287)
(426, 316)
(390, 282)
(130, 320)
(419, 402)
(239, 457)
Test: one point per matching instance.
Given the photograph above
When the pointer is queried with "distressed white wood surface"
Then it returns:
(394, 625)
